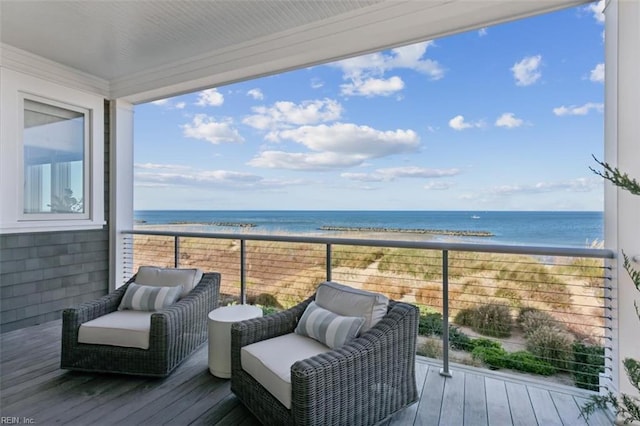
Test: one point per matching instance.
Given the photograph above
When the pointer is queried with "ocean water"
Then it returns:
(542, 228)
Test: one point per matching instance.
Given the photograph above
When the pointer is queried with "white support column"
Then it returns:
(121, 190)
(622, 150)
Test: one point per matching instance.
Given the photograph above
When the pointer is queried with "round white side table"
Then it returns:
(219, 326)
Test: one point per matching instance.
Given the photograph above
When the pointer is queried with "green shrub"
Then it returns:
(268, 310)
(494, 357)
(484, 343)
(529, 363)
(430, 324)
(532, 320)
(492, 320)
(552, 345)
(458, 340)
(464, 317)
(588, 363)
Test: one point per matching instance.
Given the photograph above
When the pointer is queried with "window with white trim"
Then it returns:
(51, 156)
(55, 142)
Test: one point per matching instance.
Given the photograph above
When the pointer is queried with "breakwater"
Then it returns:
(449, 232)
(229, 224)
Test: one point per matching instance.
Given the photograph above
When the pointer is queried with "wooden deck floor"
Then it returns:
(35, 390)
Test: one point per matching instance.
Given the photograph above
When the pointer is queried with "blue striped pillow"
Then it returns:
(149, 298)
(326, 327)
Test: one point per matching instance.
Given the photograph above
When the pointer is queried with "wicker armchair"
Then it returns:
(360, 383)
(175, 333)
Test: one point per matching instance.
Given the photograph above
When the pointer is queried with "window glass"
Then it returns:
(54, 159)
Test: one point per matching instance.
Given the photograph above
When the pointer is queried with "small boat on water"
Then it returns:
(475, 217)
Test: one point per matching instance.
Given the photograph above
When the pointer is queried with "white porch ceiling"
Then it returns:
(148, 49)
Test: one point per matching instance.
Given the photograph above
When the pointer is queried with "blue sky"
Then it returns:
(505, 118)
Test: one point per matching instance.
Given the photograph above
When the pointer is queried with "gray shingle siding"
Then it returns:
(36, 290)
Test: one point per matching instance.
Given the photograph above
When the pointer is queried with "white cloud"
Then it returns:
(597, 9)
(336, 146)
(578, 110)
(458, 123)
(597, 74)
(168, 103)
(526, 72)
(370, 69)
(482, 32)
(316, 83)
(575, 185)
(372, 87)
(210, 97)
(392, 173)
(210, 179)
(152, 166)
(256, 94)
(438, 186)
(284, 114)
(207, 128)
(509, 120)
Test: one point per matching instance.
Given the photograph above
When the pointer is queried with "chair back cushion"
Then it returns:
(328, 328)
(149, 297)
(353, 302)
(165, 277)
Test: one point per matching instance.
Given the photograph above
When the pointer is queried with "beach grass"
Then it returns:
(282, 274)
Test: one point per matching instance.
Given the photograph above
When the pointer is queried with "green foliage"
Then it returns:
(430, 324)
(588, 363)
(494, 357)
(529, 363)
(552, 345)
(627, 407)
(497, 357)
(268, 310)
(615, 176)
(492, 320)
(485, 343)
(458, 340)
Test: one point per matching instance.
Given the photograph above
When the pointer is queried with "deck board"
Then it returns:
(475, 401)
(33, 386)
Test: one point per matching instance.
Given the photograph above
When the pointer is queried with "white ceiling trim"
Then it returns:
(37, 66)
(374, 28)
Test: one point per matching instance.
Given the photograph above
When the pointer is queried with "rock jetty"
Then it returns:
(450, 232)
(230, 224)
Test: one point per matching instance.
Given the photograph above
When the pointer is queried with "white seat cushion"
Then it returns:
(270, 361)
(164, 277)
(352, 302)
(128, 329)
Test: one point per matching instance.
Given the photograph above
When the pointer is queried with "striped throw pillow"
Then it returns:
(149, 298)
(326, 327)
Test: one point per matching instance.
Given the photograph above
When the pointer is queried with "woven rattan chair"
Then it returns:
(175, 333)
(361, 383)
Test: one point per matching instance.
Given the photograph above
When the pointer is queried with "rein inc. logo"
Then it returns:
(15, 420)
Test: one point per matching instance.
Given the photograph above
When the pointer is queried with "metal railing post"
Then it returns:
(328, 260)
(243, 273)
(444, 371)
(176, 251)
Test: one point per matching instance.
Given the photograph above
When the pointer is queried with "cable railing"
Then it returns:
(545, 311)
